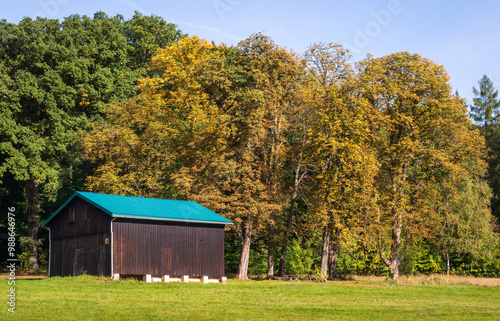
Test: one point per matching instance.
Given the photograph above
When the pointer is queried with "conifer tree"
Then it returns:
(486, 103)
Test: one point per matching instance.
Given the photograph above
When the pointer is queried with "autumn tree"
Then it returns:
(61, 77)
(209, 128)
(253, 85)
(145, 138)
(422, 135)
(342, 156)
(299, 164)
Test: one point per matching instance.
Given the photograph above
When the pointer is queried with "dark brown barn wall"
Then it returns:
(83, 245)
(161, 248)
(76, 255)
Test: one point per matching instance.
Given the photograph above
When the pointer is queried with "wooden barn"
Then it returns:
(113, 235)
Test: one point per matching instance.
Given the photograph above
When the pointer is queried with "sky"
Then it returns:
(463, 36)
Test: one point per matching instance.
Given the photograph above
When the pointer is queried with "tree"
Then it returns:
(486, 103)
(209, 128)
(299, 164)
(343, 158)
(254, 89)
(422, 135)
(492, 136)
(148, 138)
(62, 75)
(467, 223)
(485, 112)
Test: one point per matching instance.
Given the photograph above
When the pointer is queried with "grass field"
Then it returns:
(93, 298)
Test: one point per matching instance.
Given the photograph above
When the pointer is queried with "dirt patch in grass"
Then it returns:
(436, 279)
(447, 280)
(20, 274)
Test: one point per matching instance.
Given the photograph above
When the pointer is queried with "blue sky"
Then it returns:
(463, 36)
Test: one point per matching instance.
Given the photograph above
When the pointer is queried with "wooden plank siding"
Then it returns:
(76, 255)
(167, 248)
(61, 227)
(81, 245)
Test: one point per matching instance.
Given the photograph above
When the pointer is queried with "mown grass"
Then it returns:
(93, 298)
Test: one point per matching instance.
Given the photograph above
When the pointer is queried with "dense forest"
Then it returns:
(327, 167)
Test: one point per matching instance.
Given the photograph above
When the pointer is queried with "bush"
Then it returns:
(257, 262)
(299, 259)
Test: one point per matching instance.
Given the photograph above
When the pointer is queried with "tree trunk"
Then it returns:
(395, 270)
(286, 237)
(324, 251)
(332, 260)
(394, 259)
(270, 247)
(245, 251)
(447, 263)
(32, 191)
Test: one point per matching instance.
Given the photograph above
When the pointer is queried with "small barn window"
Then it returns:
(87, 212)
(71, 214)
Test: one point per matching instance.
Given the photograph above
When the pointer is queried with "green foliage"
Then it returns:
(468, 226)
(407, 264)
(145, 35)
(27, 246)
(257, 264)
(319, 276)
(492, 136)
(479, 266)
(60, 77)
(358, 263)
(299, 258)
(486, 103)
(427, 265)
(232, 248)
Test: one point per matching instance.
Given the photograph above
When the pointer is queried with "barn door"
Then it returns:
(166, 261)
(101, 260)
(79, 262)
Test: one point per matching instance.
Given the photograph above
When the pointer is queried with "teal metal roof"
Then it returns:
(147, 208)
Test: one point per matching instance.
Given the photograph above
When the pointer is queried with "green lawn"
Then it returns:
(92, 298)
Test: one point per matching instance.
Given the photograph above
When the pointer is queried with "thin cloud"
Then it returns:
(210, 29)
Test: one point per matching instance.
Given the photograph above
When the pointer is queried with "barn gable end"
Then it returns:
(81, 243)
